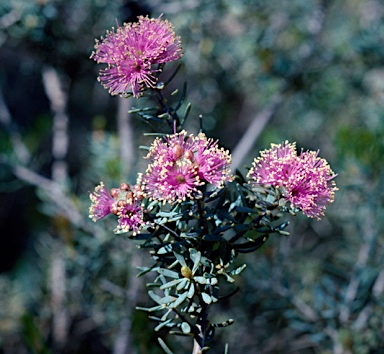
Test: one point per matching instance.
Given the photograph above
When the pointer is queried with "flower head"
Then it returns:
(181, 163)
(213, 162)
(131, 51)
(102, 203)
(124, 202)
(130, 215)
(306, 181)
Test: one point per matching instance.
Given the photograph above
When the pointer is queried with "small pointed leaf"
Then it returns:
(164, 346)
(191, 291)
(171, 283)
(185, 327)
(180, 299)
(156, 298)
(200, 280)
(206, 298)
(168, 273)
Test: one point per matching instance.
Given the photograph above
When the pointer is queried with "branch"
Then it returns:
(58, 196)
(246, 143)
(126, 137)
(60, 139)
(57, 282)
(364, 255)
(249, 138)
(10, 18)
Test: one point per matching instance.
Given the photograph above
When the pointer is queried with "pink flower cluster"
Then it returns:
(305, 180)
(123, 202)
(181, 163)
(131, 51)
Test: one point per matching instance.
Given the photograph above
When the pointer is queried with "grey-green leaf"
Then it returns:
(164, 346)
(156, 298)
(170, 284)
(185, 327)
(168, 273)
(180, 299)
(206, 298)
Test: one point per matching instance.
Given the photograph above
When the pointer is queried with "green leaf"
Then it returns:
(177, 333)
(191, 291)
(171, 284)
(200, 280)
(206, 298)
(251, 246)
(168, 299)
(226, 215)
(165, 249)
(149, 309)
(180, 259)
(180, 299)
(162, 324)
(212, 281)
(185, 327)
(212, 238)
(241, 209)
(195, 257)
(156, 298)
(186, 112)
(229, 279)
(224, 324)
(242, 227)
(168, 273)
(167, 214)
(226, 348)
(238, 270)
(164, 346)
(144, 270)
(182, 284)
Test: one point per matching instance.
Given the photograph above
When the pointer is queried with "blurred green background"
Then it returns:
(300, 70)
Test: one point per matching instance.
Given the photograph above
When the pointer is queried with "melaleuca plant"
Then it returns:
(187, 208)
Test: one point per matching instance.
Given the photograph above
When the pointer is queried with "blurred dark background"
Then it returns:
(300, 70)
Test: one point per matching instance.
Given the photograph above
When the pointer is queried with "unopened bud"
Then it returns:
(114, 192)
(125, 186)
(129, 195)
(177, 151)
(114, 209)
(139, 195)
(186, 272)
(189, 155)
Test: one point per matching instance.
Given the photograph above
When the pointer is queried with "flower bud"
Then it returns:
(186, 272)
(139, 195)
(189, 155)
(125, 186)
(114, 209)
(120, 203)
(177, 151)
(114, 192)
(129, 195)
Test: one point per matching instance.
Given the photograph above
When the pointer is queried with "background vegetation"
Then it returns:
(258, 72)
